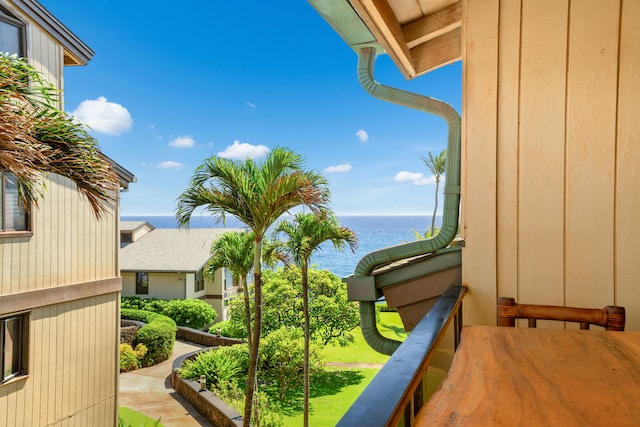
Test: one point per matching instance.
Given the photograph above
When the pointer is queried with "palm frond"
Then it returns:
(36, 138)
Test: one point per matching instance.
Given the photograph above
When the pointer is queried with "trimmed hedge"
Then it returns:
(192, 313)
(158, 335)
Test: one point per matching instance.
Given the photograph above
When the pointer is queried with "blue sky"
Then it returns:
(171, 86)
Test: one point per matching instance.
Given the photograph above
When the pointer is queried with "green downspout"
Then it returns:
(366, 60)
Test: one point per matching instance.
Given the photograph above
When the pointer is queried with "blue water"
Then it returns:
(374, 232)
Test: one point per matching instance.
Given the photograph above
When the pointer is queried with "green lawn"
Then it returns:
(131, 418)
(389, 326)
(333, 392)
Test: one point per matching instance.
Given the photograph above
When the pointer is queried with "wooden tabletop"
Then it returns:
(539, 377)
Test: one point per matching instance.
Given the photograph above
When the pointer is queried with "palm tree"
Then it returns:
(37, 137)
(257, 194)
(304, 235)
(436, 166)
(234, 250)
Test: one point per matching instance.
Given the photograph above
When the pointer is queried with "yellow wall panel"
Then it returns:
(541, 151)
(564, 187)
(507, 148)
(73, 365)
(479, 157)
(627, 190)
(591, 145)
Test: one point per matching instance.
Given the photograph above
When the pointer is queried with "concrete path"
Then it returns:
(149, 391)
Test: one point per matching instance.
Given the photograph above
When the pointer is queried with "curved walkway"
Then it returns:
(149, 391)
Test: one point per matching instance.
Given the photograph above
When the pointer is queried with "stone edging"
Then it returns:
(205, 402)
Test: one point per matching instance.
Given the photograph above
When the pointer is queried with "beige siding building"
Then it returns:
(168, 263)
(59, 276)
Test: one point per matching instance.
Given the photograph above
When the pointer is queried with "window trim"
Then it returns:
(8, 17)
(23, 347)
(28, 231)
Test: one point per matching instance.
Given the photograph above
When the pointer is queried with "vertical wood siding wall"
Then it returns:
(73, 367)
(68, 244)
(551, 160)
(73, 346)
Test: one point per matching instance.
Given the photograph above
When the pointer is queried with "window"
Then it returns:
(199, 284)
(142, 283)
(12, 211)
(13, 342)
(11, 34)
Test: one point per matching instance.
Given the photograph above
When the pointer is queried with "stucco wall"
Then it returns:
(551, 162)
(161, 285)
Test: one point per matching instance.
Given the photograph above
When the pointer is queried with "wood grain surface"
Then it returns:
(539, 377)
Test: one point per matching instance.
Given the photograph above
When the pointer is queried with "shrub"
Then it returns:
(158, 335)
(233, 396)
(229, 329)
(193, 313)
(218, 366)
(130, 359)
(282, 358)
(383, 307)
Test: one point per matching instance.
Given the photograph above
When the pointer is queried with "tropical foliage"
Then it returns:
(282, 359)
(158, 335)
(257, 194)
(131, 358)
(218, 366)
(234, 251)
(190, 312)
(332, 315)
(37, 137)
(303, 236)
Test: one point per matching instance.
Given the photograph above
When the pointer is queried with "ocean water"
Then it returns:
(374, 232)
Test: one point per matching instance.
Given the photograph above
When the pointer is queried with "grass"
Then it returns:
(389, 326)
(335, 390)
(132, 418)
(332, 393)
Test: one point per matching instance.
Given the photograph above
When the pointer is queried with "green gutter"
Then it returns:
(362, 286)
(362, 283)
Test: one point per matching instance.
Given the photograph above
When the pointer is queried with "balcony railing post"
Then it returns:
(397, 391)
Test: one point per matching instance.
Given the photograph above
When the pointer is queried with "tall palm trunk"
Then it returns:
(435, 209)
(252, 375)
(247, 309)
(307, 338)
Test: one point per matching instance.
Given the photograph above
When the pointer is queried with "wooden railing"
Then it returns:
(396, 393)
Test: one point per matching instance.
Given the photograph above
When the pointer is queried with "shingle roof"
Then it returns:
(132, 225)
(169, 249)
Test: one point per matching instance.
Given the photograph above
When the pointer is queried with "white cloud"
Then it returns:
(362, 135)
(169, 164)
(345, 167)
(250, 104)
(103, 116)
(182, 142)
(425, 181)
(405, 176)
(242, 150)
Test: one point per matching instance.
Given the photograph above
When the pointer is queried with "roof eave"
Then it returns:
(76, 52)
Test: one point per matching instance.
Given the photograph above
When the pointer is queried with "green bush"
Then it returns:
(233, 396)
(229, 329)
(218, 366)
(130, 359)
(192, 313)
(384, 308)
(158, 335)
(282, 359)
